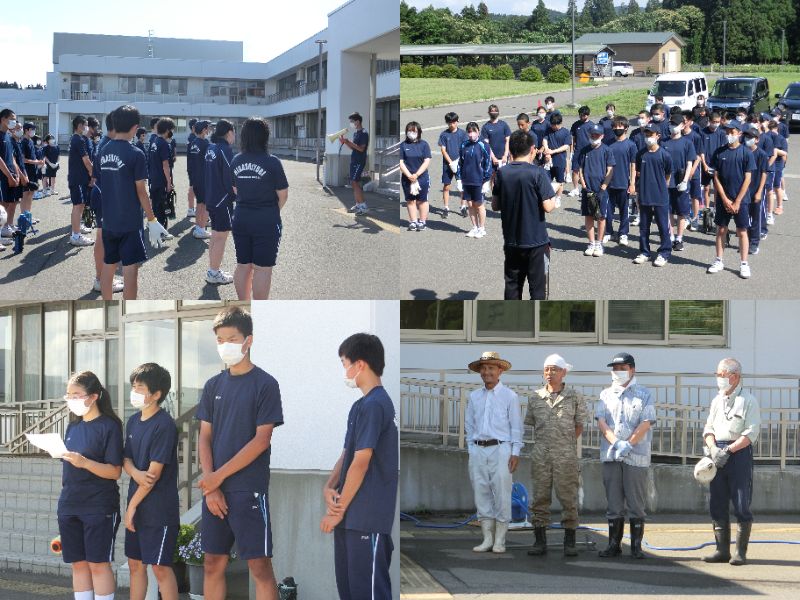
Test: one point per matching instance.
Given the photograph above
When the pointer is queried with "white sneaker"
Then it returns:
(117, 286)
(744, 271)
(660, 261)
(641, 259)
(589, 250)
(716, 266)
(635, 220)
(574, 193)
(200, 233)
(354, 208)
(38, 195)
(85, 229)
(167, 236)
(191, 212)
(480, 233)
(623, 240)
(472, 232)
(606, 238)
(558, 201)
(7, 231)
(770, 219)
(598, 250)
(80, 240)
(218, 278)
(4, 241)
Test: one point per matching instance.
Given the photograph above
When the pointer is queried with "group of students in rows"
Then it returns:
(666, 167)
(238, 411)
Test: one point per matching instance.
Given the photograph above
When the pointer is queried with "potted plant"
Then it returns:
(185, 535)
(191, 553)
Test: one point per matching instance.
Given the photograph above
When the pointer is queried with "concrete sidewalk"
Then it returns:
(438, 564)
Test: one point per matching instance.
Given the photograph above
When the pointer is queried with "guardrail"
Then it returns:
(432, 410)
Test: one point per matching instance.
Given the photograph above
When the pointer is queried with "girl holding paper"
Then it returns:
(88, 508)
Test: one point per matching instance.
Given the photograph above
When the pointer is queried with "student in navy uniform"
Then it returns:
(31, 166)
(219, 195)
(415, 158)
(361, 492)
(122, 177)
(660, 117)
(781, 151)
(580, 138)
(767, 144)
(608, 124)
(495, 134)
(692, 133)
(51, 157)
(160, 170)
(783, 128)
(523, 194)
(358, 161)
(524, 124)
(550, 108)
(555, 149)
(623, 181)
(474, 173)
(238, 411)
(152, 517)
(39, 194)
(540, 128)
(683, 155)
(450, 141)
(596, 166)
(153, 132)
(261, 191)
(91, 136)
(141, 134)
(190, 212)
(88, 506)
(78, 175)
(16, 143)
(701, 115)
(196, 164)
(10, 179)
(713, 137)
(758, 182)
(654, 167)
(733, 166)
(638, 134)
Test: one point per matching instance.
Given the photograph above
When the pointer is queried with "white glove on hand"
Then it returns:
(486, 189)
(459, 185)
(454, 166)
(682, 186)
(155, 230)
(414, 188)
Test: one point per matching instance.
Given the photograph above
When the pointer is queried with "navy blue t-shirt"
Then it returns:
(637, 137)
(521, 188)
(781, 144)
(236, 405)
(218, 186)
(712, 140)
(624, 152)
(495, 134)
(474, 165)
(697, 143)
(51, 153)
(541, 130)
(189, 139)
(7, 152)
(83, 492)
(371, 424)
(29, 152)
(556, 139)
(767, 145)
(413, 154)
(121, 166)
(731, 164)
(154, 440)
(360, 138)
(580, 134)
(196, 161)
(159, 152)
(257, 176)
(452, 140)
(78, 175)
(595, 163)
(608, 130)
(761, 160)
(653, 169)
(534, 140)
(681, 151)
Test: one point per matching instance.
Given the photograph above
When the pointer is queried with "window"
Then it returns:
(6, 358)
(149, 341)
(144, 306)
(90, 355)
(691, 87)
(495, 319)
(387, 118)
(112, 315)
(56, 359)
(86, 83)
(199, 360)
(89, 316)
(635, 320)
(31, 338)
(432, 315)
(696, 317)
(560, 317)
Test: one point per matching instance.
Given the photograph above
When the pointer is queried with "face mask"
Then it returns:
(18, 133)
(657, 118)
(732, 138)
(677, 129)
(97, 139)
(750, 142)
(723, 384)
(540, 116)
(596, 142)
(137, 400)
(350, 381)
(651, 141)
(411, 135)
(619, 132)
(549, 105)
(619, 377)
(231, 354)
(12, 123)
(610, 114)
(701, 103)
(77, 406)
(39, 143)
(85, 130)
(740, 118)
(493, 116)
(52, 142)
(473, 137)
(713, 126)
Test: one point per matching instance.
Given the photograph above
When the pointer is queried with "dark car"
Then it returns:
(731, 93)
(789, 103)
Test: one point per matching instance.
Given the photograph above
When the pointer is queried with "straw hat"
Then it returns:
(491, 358)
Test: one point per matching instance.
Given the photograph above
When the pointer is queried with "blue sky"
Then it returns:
(502, 7)
(266, 27)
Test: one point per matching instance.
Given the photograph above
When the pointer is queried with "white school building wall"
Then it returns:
(297, 342)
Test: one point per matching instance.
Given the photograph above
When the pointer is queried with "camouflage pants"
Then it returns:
(563, 475)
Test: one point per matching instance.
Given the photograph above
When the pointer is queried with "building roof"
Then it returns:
(631, 37)
(487, 49)
(136, 46)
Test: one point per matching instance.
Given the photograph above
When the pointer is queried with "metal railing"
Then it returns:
(387, 166)
(432, 409)
(137, 98)
(301, 88)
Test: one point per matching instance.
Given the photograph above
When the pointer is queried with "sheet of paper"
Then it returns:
(49, 442)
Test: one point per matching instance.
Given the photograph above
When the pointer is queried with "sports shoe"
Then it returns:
(574, 193)
(420, 225)
(218, 278)
(763, 236)
(354, 208)
(716, 266)
(463, 211)
(85, 229)
(640, 259)
(589, 250)
(200, 233)
(38, 195)
(635, 220)
(117, 286)
(558, 201)
(80, 240)
(606, 238)
(481, 233)
(677, 246)
(445, 212)
(4, 241)
(598, 250)
(623, 240)
(744, 271)
(660, 261)
(753, 250)
(412, 226)
(770, 219)
(167, 236)
(472, 232)
(778, 210)
(7, 231)
(191, 212)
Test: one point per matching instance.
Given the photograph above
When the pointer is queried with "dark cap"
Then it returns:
(733, 124)
(27, 126)
(597, 130)
(622, 358)
(652, 128)
(200, 125)
(676, 119)
(751, 131)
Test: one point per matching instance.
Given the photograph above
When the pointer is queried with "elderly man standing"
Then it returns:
(730, 432)
(556, 413)
(625, 413)
(493, 428)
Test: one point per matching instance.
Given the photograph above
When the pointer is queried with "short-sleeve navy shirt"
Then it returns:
(121, 166)
(521, 187)
(78, 175)
(762, 166)
(653, 169)
(595, 163)
(257, 176)
(154, 440)
(218, 185)
(556, 139)
(236, 405)
(495, 135)
(681, 151)
(83, 492)
(371, 424)
(452, 140)
(624, 152)
(731, 165)
(159, 152)
(413, 154)
(360, 138)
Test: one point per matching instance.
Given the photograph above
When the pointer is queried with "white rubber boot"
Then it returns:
(487, 527)
(500, 531)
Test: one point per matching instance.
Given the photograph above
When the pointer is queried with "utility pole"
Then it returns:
(724, 45)
(783, 41)
(320, 139)
(150, 33)
(573, 54)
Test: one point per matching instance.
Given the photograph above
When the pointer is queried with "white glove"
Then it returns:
(682, 186)
(486, 189)
(155, 230)
(454, 166)
(414, 188)
(459, 185)
(546, 166)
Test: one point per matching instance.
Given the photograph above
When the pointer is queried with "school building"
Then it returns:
(356, 69)
(653, 52)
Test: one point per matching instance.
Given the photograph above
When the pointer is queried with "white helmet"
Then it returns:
(705, 470)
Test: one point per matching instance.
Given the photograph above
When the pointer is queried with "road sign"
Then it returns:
(602, 58)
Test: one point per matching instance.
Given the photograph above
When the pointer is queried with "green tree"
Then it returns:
(603, 12)
(539, 18)
(633, 8)
(652, 5)
(483, 10)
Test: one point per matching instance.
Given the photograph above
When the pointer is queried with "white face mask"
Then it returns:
(473, 136)
(620, 377)
(39, 143)
(750, 142)
(12, 123)
(596, 142)
(350, 381)
(651, 141)
(230, 353)
(18, 133)
(77, 406)
(85, 129)
(723, 383)
(713, 126)
(540, 116)
(137, 400)
(352, 125)
(740, 118)
(411, 135)
(701, 103)
(657, 118)
(677, 129)
(610, 114)
(549, 105)
(732, 138)
(52, 142)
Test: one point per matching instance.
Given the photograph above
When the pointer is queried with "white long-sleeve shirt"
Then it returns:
(494, 415)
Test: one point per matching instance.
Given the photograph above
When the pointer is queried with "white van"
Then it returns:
(678, 89)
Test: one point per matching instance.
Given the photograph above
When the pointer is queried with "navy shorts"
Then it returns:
(362, 563)
(742, 218)
(221, 218)
(126, 247)
(557, 173)
(88, 537)
(447, 174)
(695, 188)
(256, 243)
(5, 191)
(777, 178)
(355, 171)
(679, 203)
(423, 192)
(152, 545)
(706, 179)
(79, 194)
(472, 193)
(247, 523)
(96, 203)
(602, 201)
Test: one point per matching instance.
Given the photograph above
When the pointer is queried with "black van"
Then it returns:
(731, 93)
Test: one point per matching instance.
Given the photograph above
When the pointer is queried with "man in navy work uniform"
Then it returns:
(361, 493)
(523, 194)
(732, 427)
(238, 411)
(358, 160)
(654, 167)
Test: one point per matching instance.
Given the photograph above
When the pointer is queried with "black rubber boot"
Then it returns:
(569, 543)
(637, 533)
(742, 538)
(722, 535)
(615, 527)
(540, 545)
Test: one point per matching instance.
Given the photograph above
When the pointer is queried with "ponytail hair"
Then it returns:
(91, 383)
